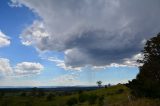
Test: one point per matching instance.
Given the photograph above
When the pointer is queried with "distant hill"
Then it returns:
(49, 88)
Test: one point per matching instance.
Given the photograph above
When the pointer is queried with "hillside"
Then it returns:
(118, 95)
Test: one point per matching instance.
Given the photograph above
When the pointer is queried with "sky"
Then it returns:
(74, 42)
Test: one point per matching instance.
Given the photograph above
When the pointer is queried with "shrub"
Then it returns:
(72, 101)
(50, 97)
(33, 91)
(80, 92)
(120, 91)
(41, 93)
(101, 100)
(23, 94)
(82, 98)
(2, 94)
(105, 86)
(92, 99)
(28, 103)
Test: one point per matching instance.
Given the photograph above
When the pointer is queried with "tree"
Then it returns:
(99, 83)
(147, 82)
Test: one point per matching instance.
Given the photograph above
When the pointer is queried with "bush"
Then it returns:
(82, 98)
(101, 100)
(23, 94)
(120, 91)
(34, 91)
(2, 94)
(28, 103)
(41, 93)
(72, 101)
(5, 103)
(80, 92)
(50, 97)
(105, 86)
(92, 99)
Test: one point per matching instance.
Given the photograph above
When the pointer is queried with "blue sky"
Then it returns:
(53, 43)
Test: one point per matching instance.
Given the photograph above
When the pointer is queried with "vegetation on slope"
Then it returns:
(118, 95)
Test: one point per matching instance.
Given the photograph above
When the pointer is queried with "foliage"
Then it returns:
(147, 82)
(2, 94)
(34, 91)
(41, 93)
(50, 97)
(103, 98)
(92, 99)
(119, 91)
(72, 101)
(83, 97)
(23, 94)
(99, 83)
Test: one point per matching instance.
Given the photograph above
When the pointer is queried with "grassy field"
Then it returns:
(118, 95)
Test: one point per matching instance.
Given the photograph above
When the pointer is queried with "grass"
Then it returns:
(118, 95)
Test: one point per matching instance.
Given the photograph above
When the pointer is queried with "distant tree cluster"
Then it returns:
(147, 82)
(91, 99)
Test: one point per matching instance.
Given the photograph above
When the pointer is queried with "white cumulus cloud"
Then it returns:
(5, 67)
(28, 68)
(20, 70)
(34, 34)
(4, 39)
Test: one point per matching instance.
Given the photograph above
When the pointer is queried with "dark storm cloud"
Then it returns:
(92, 32)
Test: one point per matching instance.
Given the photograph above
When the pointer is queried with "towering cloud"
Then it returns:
(92, 32)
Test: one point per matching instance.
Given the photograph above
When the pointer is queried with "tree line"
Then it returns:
(147, 82)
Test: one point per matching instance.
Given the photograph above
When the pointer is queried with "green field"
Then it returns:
(118, 95)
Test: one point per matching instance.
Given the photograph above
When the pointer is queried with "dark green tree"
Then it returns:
(99, 83)
(147, 82)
